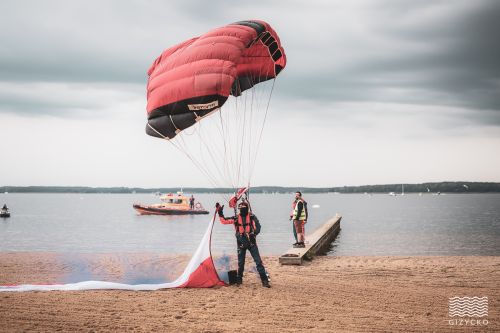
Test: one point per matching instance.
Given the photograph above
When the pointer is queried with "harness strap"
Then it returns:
(243, 224)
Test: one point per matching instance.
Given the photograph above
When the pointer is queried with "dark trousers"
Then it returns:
(243, 245)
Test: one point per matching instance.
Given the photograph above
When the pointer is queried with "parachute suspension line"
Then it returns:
(255, 107)
(185, 152)
(220, 154)
(210, 149)
(201, 154)
(192, 129)
(231, 127)
(157, 132)
(239, 139)
(200, 164)
(241, 145)
(251, 127)
(212, 153)
(262, 129)
(250, 132)
(213, 171)
(237, 150)
(253, 147)
(182, 148)
(223, 149)
(177, 130)
(181, 145)
(197, 118)
(263, 109)
(223, 132)
(225, 127)
(246, 144)
(232, 141)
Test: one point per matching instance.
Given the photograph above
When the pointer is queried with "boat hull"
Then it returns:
(148, 210)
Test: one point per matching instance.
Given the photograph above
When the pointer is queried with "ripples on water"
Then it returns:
(452, 224)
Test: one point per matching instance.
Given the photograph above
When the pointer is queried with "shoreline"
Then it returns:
(442, 186)
(351, 293)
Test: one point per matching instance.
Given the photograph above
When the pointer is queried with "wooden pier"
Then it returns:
(317, 243)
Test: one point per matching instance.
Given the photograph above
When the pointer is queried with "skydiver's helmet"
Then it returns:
(243, 208)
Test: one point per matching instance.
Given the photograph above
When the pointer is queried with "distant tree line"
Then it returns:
(442, 187)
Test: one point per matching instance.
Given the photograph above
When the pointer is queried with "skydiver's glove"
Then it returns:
(219, 209)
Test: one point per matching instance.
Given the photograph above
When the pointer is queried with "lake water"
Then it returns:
(379, 224)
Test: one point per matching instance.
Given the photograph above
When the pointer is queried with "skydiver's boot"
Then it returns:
(265, 280)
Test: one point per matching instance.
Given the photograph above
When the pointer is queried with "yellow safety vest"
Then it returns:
(302, 216)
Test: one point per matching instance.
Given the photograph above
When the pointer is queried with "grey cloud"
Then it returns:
(449, 59)
(34, 105)
(76, 42)
(66, 100)
(429, 53)
(465, 59)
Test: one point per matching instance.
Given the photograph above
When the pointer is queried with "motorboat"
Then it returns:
(4, 212)
(172, 204)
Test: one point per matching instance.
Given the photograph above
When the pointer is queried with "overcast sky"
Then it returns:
(374, 91)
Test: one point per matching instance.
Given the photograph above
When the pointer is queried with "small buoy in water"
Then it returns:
(315, 206)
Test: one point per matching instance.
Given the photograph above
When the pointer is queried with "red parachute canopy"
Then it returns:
(192, 79)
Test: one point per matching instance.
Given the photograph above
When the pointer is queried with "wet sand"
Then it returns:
(368, 294)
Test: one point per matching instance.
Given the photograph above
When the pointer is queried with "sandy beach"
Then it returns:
(368, 294)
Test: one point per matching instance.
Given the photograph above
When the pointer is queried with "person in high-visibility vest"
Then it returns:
(299, 218)
(247, 227)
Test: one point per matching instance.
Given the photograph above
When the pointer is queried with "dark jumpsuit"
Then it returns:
(247, 241)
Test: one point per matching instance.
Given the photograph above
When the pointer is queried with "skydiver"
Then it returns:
(247, 227)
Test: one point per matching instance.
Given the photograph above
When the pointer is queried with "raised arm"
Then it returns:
(223, 220)
(229, 220)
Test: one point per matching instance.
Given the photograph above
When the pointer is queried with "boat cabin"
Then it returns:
(175, 199)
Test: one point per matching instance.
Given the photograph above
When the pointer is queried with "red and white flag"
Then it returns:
(199, 273)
